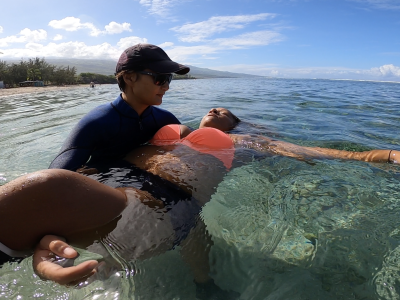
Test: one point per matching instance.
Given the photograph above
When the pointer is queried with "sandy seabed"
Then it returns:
(32, 89)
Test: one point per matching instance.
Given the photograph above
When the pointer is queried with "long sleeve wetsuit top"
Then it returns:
(109, 132)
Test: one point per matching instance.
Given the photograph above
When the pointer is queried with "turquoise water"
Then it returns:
(282, 228)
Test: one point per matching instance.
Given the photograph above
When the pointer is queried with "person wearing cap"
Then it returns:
(111, 130)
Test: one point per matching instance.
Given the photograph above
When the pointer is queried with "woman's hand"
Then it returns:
(145, 197)
(45, 266)
(87, 171)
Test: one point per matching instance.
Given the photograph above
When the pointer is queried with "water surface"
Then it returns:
(282, 228)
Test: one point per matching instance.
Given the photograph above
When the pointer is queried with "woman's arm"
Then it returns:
(389, 156)
(265, 144)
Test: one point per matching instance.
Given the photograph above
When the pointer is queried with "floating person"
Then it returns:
(190, 160)
(223, 120)
(110, 131)
(92, 84)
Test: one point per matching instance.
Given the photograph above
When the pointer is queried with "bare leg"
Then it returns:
(55, 201)
(195, 252)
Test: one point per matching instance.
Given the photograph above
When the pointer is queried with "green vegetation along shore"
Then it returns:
(38, 69)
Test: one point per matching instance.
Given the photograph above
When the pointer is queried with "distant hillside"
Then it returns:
(98, 66)
(208, 73)
(107, 67)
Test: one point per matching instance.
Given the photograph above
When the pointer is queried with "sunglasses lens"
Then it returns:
(162, 79)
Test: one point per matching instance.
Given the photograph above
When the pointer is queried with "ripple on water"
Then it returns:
(281, 228)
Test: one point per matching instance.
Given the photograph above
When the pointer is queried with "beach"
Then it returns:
(33, 89)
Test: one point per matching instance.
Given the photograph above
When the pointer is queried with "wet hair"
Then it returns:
(120, 77)
(237, 120)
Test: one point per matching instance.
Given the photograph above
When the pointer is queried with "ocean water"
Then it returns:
(282, 228)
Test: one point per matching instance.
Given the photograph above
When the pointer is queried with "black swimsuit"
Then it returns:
(181, 206)
(109, 132)
(6, 258)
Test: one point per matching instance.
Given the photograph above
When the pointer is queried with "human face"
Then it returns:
(143, 92)
(219, 118)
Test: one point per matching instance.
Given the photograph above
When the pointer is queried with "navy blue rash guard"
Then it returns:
(109, 132)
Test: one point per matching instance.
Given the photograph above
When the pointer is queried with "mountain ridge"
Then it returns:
(107, 67)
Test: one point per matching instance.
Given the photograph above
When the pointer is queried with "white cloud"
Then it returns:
(381, 4)
(386, 71)
(33, 35)
(196, 32)
(34, 47)
(58, 37)
(166, 45)
(161, 8)
(25, 35)
(130, 41)
(114, 27)
(74, 24)
(257, 38)
(1, 29)
(69, 24)
(247, 40)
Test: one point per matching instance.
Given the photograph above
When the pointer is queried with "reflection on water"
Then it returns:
(282, 228)
(331, 224)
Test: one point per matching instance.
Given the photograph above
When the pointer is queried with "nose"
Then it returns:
(165, 86)
(213, 110)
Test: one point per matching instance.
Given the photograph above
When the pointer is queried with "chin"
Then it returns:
(208, 121)
(157, 102)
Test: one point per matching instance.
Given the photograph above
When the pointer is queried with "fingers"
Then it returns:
(145, 197)
(87, 171)
(46, 268)
(58, 246)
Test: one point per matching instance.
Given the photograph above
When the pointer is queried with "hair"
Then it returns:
(237, 120)
(120, 76)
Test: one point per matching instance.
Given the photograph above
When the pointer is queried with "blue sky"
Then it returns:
(337, 39)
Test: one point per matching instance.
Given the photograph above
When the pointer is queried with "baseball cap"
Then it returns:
(150, 57)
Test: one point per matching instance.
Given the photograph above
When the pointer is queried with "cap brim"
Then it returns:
(168, 66)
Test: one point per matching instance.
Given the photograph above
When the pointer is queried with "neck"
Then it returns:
(139, 108)
(215, 127)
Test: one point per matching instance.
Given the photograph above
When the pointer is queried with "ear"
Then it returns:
(130, 79)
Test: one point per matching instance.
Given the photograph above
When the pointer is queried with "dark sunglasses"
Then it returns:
(159, 79)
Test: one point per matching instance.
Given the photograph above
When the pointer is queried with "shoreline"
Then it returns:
(34, 90)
